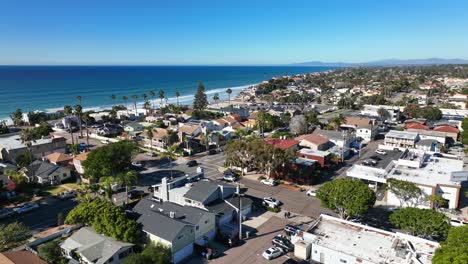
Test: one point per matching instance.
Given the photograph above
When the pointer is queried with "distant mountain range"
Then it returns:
(389, 62)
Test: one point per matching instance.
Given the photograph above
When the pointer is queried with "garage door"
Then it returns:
(183, 253)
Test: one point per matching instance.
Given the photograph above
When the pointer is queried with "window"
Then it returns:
(197, 227)
(342, 261)
(110, 260)
(180, 237)
(315, 251)
(206, 221)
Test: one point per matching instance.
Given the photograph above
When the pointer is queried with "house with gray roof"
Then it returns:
(45, 173)
(11, 147)
(86, 246)
(177, 227)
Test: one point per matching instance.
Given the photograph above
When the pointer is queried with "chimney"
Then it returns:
(164, 190)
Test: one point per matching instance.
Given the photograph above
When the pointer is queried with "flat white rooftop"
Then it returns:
(368, 243)
(318, 153)
(14, 142)
(402, 134)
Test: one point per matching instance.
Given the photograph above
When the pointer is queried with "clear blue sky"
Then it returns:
(229, 32)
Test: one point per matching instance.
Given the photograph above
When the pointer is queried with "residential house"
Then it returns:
(322, 157)
(88, 247)
(159, 140)
(333, 240)
(227, 121)
(45, 173)
(133, 128)
(314, 142)
(78, 162)
(60, 159)
(449, 130)
(6, 183)
(429, 145)
(189, 130)
(11, 147)
(441, 137)
(416, 124)
(401, 139)
(215, 197)
(365, 128)
(178, 227)
(372, 110)
(20, 257)
(283, 144)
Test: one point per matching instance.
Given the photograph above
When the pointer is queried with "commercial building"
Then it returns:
(401, 139)
(372, 110)
(433, 175)
(333, 240)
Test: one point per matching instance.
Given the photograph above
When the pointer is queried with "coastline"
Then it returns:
(187, 99)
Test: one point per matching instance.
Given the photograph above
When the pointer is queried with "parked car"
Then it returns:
(381, 152)
(270, 182)
(212, 152)
(192, 163)
(67, 195)
(231, 177)
(291, 230)
(137, 164)
(151, 154)
(134, 194)
(283, 242)
(26, 207)
(437, 155)
(311, 193)
(457, 222)
(271, 202)
(369, 162)
(272, 253)
(6, 212)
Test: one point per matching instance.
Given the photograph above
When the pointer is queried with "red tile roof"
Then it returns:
(314, 139)
(416, 126)
(20, 257)
(448, 129)
(282, 143)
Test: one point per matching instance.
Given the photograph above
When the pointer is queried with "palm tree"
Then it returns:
(147, 106)
(145, 97)
(125, 99)
(79, 117)
(127, 179)
(113, 99)
(216, 98)
(177, 94)
(107, 180)
(150, 135)
(27, 138)
(161, 97)
(337, 121)
(229, 92)
(78, 111)
(87, 119)
(67, 110)
(170, 155)
(152, 94)
(135, 97)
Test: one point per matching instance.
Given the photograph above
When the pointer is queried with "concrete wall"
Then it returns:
(328, 256)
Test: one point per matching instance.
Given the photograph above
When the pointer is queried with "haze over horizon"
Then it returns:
(219, 33)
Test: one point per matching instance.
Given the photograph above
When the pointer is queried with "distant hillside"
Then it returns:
(389, 62)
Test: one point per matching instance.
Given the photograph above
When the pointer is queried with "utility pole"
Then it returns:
(240, 211)
(344, 135)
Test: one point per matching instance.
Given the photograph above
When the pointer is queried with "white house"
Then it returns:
(372, 110)
(401, 139)
(333, 240)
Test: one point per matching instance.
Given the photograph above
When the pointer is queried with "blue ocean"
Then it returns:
(51, 87)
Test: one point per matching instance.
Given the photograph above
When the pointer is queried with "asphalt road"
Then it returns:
(45, 216)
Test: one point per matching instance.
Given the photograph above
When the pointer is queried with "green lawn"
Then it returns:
(54, 190)
(72, 186)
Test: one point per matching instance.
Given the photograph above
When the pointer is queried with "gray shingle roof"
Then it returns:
(161, 225)
(92, 246)
(41, 169)
(201, 191)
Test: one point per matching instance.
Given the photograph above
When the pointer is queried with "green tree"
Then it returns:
(67, 110)
(3, 128)
(383, 114)
(216, 98)
(161, 98)
(437, 201)
(200, 101)
(12, 235)
(170, 155)
(106, 219)
(150, 135)
(229, 92)
(17, 117)
(23, 159)
(43, 130)
(109, 160)
(312, 117)
(127, 179)
(337, 121)
(298, 125)
(421, 222)
(137, 259)
(152, 95)
(350, 198)
(464, 134)
(78, 112)
(16, 177)
(50, 251)
(157, 253)
(135, 98)
(454, 250)
(125, 99)
(177, 94)
(406, 192)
